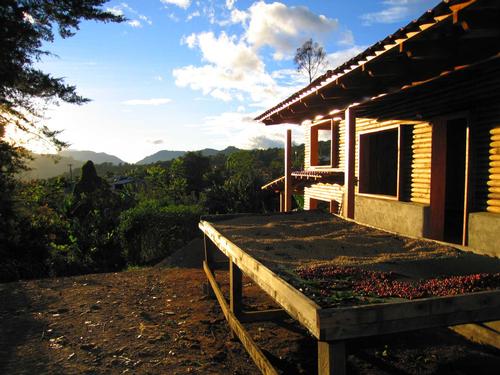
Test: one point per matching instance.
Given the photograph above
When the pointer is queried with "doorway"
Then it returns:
(448, 179)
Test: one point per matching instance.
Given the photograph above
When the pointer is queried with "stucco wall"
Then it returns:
(401, 217)
(484, 233)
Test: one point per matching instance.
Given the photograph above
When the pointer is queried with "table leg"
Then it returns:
(331, 358)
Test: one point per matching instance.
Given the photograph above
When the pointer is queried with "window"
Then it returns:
(378, 162)
(324, 145)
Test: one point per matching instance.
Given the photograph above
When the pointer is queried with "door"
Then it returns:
(448, 179)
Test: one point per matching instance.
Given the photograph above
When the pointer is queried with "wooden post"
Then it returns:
(209, 260)
(438, 180)
(313, 204)
(313, 146)
(288, 171)
(334, 144)
(331, 358)
(282, 201)
(235, 293)
(334, 207)
(469, 186)
(350, 149)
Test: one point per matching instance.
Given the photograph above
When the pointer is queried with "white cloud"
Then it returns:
(396, 11)
(225, 96)
(346, 38)
(173, 17)
(145, 19)
(225, 51)
(337, 58)
(246, 133)
(230, 4)
(152, 101)
(134, 23)
(116, 10)
(233, 70)
(284, 28)
(193, 15)
(158, 78)
(155, 141)
(239, 16)
(184, 4)
(190, 40)
(127, 10)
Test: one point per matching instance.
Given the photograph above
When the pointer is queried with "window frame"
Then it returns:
(333, 126)
(401, 129)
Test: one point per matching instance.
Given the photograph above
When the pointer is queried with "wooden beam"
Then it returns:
(296, 304)
(288, 171)
(386, 318)
(350, 149)
(334, 144)
(331, 358)
(468, 183)
(251, 347)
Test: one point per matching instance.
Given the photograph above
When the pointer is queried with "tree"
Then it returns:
(24, 90)
(310, 58)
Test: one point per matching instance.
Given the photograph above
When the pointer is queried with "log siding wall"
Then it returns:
(416, 181)
(493, 201)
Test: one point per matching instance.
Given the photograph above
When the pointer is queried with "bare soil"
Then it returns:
(159, 321)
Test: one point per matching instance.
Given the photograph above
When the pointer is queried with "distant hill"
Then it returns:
(166, 155)
(163, 155)
(47, 166)
(96, 157)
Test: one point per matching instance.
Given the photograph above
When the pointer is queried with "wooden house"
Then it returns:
(414, 130)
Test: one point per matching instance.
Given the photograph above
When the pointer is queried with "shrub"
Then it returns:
(151, 231)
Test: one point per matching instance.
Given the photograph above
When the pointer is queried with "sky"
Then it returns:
(186, 75)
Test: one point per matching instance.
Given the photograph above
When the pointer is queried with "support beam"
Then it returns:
(334, 144)
(209, 260)
(235, 292)
(313, 146)
(288, 171)
(331, 358)
(350, 153)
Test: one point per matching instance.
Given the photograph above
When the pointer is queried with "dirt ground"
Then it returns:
(159, 321)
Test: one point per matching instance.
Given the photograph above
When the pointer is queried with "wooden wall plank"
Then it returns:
(360, 321)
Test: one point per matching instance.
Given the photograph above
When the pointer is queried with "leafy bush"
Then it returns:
(151, 230)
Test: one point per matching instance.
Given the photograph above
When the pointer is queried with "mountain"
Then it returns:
(163, 155)
(47, 166)
(96, 157)
(166, 155)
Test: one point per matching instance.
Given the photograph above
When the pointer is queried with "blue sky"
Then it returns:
(185, 75)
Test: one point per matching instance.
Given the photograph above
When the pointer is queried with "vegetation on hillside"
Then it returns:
(92, 224)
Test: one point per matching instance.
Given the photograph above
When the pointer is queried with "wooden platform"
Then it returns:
(331, 325)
